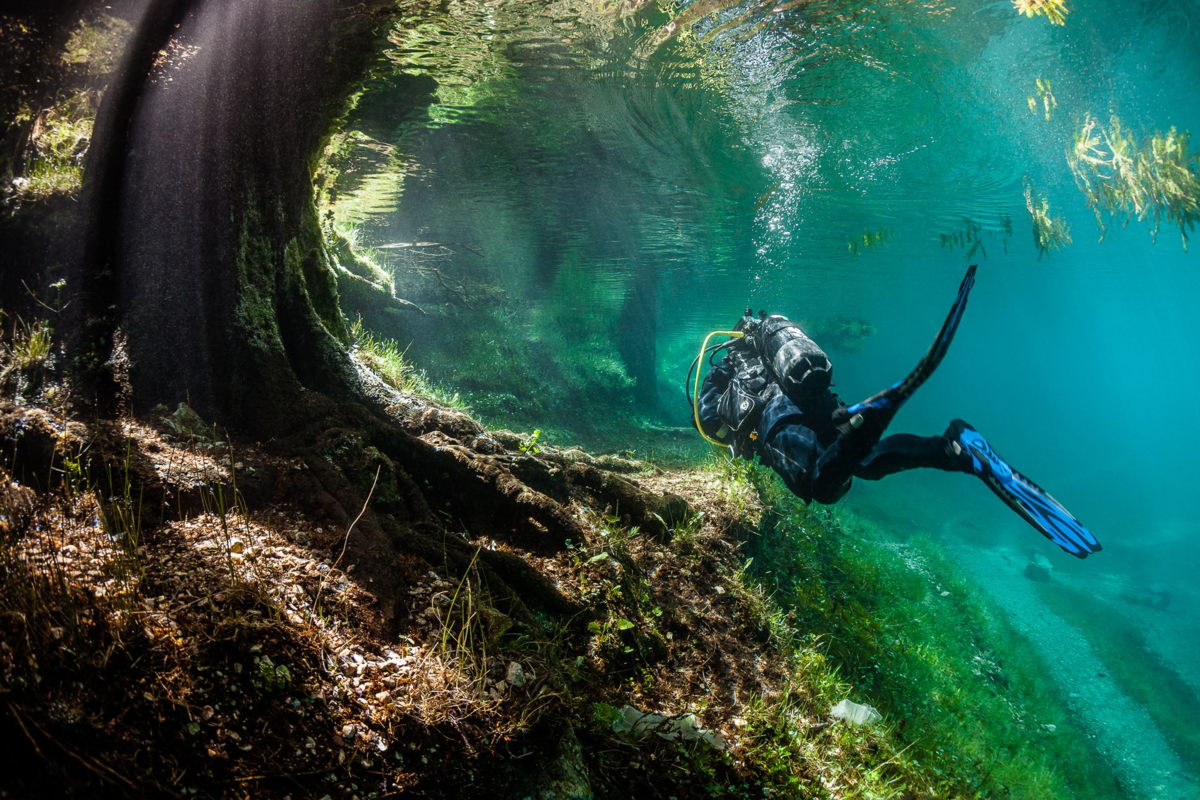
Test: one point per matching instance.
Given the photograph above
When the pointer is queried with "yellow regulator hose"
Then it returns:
(699, 370)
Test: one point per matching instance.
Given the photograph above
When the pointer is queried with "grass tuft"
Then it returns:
(390, 362)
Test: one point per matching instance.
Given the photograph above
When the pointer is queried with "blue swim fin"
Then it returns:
(880, 408)
(1024, 496)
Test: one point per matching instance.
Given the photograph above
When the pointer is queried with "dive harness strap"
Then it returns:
(741, 405)
(696, 389)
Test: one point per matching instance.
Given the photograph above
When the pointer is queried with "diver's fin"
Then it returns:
(888, 402)
(1024, 496)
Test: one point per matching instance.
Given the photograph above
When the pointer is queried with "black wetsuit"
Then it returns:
(812, 455)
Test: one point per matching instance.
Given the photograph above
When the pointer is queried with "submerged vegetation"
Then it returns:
(868, 240)
(1054, 10)
(386, 358)
(58, 137)
(1050, 233)
(970, 237)
(966, 695)
(1157, 179)
(48, 135)
(1046, 95)
(390, 597)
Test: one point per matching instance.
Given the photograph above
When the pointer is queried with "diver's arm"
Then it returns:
(714, 385)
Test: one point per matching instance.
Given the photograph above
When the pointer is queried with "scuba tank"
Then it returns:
(768, 356)
(800, 366)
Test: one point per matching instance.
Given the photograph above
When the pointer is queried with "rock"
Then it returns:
(348, 731)
(1156, 596)
(516, 674)
(1039, 569)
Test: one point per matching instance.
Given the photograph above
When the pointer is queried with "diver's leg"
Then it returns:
(864, 453)
(788, 446)
(903, 451)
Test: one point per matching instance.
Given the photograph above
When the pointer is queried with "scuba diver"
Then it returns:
(769, 396)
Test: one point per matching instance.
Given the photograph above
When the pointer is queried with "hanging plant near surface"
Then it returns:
(970, 236)
(1054, 10)
(1046, 95)
(1157, 179)
(1049, 232)
(868, 240)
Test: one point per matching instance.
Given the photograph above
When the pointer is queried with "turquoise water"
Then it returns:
(604, 191)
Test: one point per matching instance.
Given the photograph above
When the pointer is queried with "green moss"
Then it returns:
(309, 274)
(255, 317)
(346, 242)
(97, 44)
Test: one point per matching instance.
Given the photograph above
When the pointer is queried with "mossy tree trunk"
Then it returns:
(203, 246)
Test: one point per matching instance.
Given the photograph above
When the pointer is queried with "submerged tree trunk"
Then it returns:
(203, 240)
(638, 333)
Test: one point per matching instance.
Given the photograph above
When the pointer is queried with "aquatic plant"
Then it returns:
(1046, 95)
(868, 240)
(970, 237)
(53, 128)
(1054, 10)
(529, 446)
(1049, 232)
(97, 45)
(1156, 179)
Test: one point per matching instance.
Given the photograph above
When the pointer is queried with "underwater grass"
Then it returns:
(965, 692)
(1171, 702)
(60, 136)
(389, 361)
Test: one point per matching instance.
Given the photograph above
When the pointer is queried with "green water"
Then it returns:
(596, 195)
